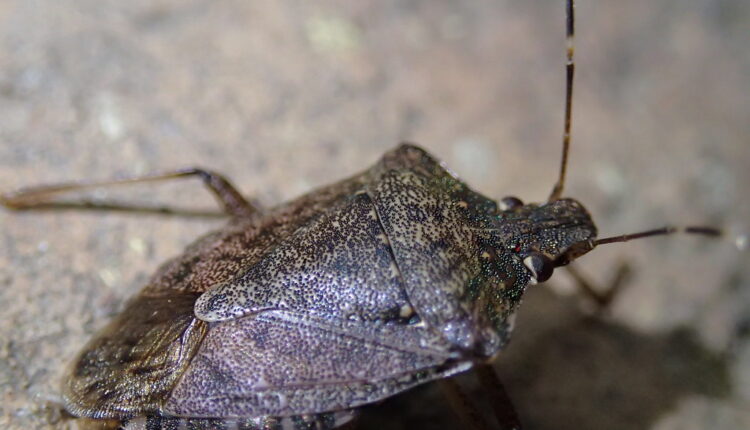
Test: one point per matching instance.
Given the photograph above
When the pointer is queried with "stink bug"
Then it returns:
(445, 198)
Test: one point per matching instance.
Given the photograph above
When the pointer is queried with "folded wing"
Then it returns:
(281, 363)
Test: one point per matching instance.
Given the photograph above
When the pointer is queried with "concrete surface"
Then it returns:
(284, 96)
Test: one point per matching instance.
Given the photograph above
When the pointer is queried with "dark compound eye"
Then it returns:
(540, 265)
(510, 203)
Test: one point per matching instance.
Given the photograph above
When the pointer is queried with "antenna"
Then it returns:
(706, 231)
(557, 191)
(570, 69)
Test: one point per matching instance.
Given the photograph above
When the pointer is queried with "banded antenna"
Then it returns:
(557, 191)
(570, 68)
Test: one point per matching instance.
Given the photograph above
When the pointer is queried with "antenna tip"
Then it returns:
(707, 231)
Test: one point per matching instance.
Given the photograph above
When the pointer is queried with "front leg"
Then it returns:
(44, 197)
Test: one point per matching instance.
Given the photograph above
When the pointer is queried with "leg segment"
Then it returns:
(44, 196)
(462, 406)
(502, 406)
(601, 297)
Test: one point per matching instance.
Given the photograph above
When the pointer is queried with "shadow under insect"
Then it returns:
(567, 370)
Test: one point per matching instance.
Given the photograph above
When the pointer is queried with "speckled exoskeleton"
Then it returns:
(340, 298)
(294, 316)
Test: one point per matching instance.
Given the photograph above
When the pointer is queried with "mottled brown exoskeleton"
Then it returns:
(295, 316)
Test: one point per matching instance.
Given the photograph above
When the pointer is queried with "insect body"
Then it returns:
(343, 297)
(293, 317)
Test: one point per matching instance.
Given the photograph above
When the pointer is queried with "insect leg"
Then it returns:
(502, 406)
(44, 197)
(462, 406)
(602, 297)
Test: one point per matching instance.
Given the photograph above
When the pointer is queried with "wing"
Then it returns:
(132, 365)
(280, 363)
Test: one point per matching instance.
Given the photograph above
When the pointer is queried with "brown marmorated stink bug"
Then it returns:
(293, 317)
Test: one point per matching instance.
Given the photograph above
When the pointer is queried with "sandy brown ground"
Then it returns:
(285, 96)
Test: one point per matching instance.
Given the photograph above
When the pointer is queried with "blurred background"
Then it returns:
(289, 95)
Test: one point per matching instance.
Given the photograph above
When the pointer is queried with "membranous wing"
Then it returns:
(133, 364)
(282, 363)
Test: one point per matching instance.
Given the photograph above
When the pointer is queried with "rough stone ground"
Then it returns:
(284, 96)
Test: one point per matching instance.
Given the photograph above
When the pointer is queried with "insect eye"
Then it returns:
(510, 203)
(540, 265)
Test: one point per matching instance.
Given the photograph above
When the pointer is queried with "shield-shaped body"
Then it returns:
(293, 317)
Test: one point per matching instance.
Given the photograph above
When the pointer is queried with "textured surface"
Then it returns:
(285, 96)
(320, 268)
(409, 277)
(283, 364)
